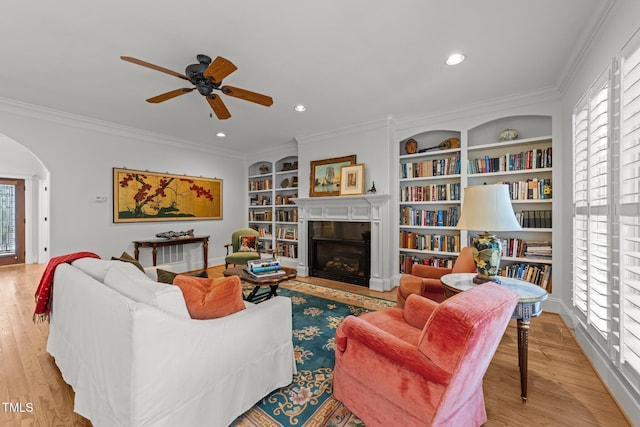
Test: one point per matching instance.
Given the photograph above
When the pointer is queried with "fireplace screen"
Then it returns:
(340, 251)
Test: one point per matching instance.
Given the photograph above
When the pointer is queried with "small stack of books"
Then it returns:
(263, 268)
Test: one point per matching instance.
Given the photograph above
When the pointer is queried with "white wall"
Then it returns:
(369, 142)
(617, 29)
(80, 154)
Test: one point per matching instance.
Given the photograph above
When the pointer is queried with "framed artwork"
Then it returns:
(142, 196)
(325, 175)
(352, 180)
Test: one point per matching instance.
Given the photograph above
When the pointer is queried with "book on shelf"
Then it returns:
(430, 193)
(422, 217)
(535, 218)
(431, 167)
(407, 261)
(533, 273)
(288, 250)
(525, 160)
(530, 189)
(429, 242)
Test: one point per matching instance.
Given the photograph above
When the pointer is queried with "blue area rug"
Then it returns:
(308, 401)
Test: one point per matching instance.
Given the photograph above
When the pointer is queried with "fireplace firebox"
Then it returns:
(340, 251)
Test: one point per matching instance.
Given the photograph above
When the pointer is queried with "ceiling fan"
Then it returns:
(206, 76)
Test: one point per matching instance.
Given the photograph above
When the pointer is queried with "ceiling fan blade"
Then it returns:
(169, 95)
(247, 95)
(153, 67)
(219, 69)
(218, 107)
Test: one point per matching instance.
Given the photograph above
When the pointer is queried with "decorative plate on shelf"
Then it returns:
(508, 135)
(284, 183)
(411, 146)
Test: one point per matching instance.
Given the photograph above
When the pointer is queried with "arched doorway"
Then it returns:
(12, 221)
(24, 205)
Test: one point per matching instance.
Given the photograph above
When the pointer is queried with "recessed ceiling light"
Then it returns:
(455, 59)
(221, 134)
(300, 108)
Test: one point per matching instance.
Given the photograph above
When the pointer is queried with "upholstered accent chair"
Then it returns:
(425, 279)
(424, 364)
(244, 246)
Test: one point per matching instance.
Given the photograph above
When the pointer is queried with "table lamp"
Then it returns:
(487, 207)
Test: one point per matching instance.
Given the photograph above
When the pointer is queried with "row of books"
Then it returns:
(431, 167)
(534, 218)
(520, 248)
(430, 193)
(538, 249)
(429, 242)
(266, 215)
(260, 200)
(407, 261)
(436, 218)
(264, 231)
(534, 273)
(532, 159)
(289, 250)
(285, 199)
(262, 184)
(531, 189)
(287, 233)
(287, 215)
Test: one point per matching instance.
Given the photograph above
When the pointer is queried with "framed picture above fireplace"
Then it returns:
(325, 175)
(352, 180)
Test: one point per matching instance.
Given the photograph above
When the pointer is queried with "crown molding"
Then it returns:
(346, 131)
(37, 112)
(497, 105)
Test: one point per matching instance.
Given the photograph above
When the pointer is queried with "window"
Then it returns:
(629, 208)
(591, 205)
(606, 226)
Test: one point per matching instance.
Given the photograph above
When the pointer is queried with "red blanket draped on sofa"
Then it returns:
(44, 293)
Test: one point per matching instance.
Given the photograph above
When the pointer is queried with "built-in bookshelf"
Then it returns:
(432, 185)
(272, 188)
(429, 196)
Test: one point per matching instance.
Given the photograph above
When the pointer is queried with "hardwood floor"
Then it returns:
(563, 387)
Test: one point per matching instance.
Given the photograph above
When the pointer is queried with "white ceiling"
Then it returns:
(350, 61)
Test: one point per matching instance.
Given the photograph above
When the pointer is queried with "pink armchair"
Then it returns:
(424, 364)
(425, 279)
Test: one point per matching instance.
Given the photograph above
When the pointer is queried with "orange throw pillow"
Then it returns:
(211, 298)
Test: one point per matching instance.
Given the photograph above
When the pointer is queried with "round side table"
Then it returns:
(529, 306)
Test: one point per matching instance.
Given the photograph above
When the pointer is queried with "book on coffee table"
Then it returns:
(265, 274)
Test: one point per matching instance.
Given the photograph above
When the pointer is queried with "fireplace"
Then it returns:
(340, 251)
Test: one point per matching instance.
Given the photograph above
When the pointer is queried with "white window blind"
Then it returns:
(580, 199)
(591, 290)
(629, 212)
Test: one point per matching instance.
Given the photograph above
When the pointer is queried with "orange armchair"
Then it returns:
(425, 279)
(424, 364)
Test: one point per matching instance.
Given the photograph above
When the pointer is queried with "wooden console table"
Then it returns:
(158, 243)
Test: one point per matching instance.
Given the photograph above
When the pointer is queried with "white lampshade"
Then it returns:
(487, 208)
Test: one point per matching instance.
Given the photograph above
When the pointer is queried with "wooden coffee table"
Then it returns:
(271, 282)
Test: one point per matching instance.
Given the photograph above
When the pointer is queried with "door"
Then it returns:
(12, 227)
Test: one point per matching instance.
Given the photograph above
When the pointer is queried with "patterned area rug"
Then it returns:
(308, 400)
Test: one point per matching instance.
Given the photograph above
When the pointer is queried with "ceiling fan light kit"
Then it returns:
(206, 76)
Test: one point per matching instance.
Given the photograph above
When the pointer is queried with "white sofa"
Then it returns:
(134, 357)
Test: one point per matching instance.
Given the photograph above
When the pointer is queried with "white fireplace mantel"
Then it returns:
(371, 208)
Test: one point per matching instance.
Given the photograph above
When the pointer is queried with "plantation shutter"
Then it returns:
(629, 214)
(580, 198)
(591, 279)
